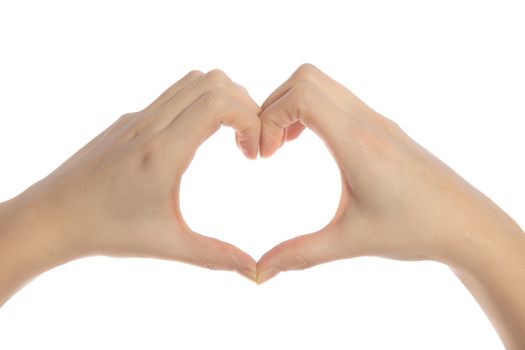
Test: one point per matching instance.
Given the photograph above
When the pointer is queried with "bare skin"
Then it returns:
(398, 201)
(118, 196)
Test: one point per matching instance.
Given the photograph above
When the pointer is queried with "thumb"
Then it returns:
(300, 253)
(303, 105)
(215, 254)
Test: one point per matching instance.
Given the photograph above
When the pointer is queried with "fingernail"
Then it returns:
(267, 274)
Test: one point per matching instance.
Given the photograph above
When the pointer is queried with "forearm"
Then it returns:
(493, 270)
(29, 245)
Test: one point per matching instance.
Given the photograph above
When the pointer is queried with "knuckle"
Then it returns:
(306, 71)
(302, 263)
(241, 88)
(126, 117)
(303, 93)
(215, 98)
(218, 77)
(194, 74)
(126, 127)
(292, 257)
(210, 265)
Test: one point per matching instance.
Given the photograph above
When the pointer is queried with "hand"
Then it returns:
(398, 201)
(119, 195)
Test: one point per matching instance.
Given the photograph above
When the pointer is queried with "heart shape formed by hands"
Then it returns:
(119, 195)
(365, 146)
(379, 212)
(121, 191)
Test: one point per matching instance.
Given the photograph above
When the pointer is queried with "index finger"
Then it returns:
(203, 117)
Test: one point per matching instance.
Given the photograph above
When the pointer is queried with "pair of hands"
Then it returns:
(118, 195)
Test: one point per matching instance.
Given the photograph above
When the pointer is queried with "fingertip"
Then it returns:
(267, 268)
(252, 155)
(246, 265)
(273, 133)
(218, 255)
(248, 136)
(250, 151)
(267, 147)
(264, 154)
(249, 274)
(267, 274)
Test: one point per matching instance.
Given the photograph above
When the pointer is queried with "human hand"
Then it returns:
(398, 200)
(119, 195)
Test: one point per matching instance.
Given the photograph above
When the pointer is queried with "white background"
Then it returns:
(451, 73)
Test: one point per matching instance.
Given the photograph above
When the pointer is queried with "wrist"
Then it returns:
(41, 221)
(31, 242)
(482, 250)
(492, 267)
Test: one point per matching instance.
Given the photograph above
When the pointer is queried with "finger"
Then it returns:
(300, 253)
(250, 102)
(309, 105)
(175, 88)
(294, 130)
(214, 254)
(215, 79)
(310, 73)
(200, 120)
